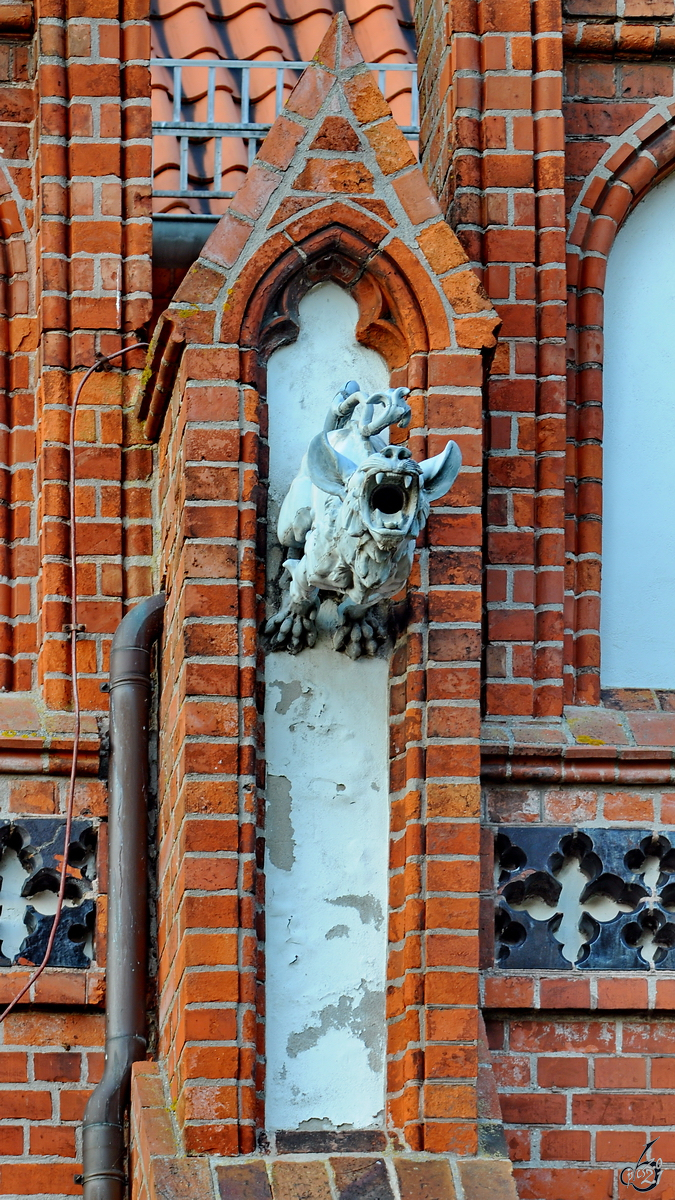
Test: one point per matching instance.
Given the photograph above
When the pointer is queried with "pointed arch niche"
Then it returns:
(637, 629)
(334, 199)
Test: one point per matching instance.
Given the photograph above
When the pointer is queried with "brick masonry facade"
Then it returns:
(548, 127)
(541, 130)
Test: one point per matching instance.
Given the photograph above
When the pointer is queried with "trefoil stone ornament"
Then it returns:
(350, 520)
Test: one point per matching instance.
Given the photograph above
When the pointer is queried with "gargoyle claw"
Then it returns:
(292, 631)
(357, 637)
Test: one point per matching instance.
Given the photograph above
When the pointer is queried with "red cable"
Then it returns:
(73, 668)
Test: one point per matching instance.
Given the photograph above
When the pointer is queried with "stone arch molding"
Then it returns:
(604, 207)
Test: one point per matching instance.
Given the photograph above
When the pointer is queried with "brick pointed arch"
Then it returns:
(334, 193)
(605, 206)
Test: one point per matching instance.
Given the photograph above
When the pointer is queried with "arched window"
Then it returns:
(638, 543)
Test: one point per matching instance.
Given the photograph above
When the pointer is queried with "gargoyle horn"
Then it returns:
(395, 411)
(439, 473)
(327, 468)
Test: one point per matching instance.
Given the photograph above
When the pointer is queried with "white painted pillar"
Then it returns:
(327, 824)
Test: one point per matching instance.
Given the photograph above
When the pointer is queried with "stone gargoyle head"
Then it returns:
(388, 494)
(354, 510)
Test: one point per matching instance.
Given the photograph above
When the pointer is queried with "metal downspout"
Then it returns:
(125, 1042)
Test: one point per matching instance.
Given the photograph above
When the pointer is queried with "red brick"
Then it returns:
(622, 1109)
(622, 993)
(566, 1145)
(521, 1108)
(558, 1183)
(620, 1072)
(52, 1140)
(624, 1147)
(562, 1072)
(33, 1105)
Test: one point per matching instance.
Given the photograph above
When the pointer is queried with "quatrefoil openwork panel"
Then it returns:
(31, 854)
(600, 899)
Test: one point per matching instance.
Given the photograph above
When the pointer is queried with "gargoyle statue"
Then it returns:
(354, 510)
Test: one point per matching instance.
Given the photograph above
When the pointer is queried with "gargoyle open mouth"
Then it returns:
(388, 497)
(391, 501)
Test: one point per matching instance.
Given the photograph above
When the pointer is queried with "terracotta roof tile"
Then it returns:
(277, 31)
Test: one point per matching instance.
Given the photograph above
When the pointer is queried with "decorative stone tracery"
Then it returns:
(589, 898)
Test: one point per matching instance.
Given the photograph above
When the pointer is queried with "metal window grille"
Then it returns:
(252, 132)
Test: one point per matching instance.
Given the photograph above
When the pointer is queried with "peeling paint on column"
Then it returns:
(278, 823)
(326, 981)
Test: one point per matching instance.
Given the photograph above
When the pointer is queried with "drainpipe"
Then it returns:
(125, 1042)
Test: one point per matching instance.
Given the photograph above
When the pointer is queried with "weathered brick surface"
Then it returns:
(582, 1095)
(49, 1064)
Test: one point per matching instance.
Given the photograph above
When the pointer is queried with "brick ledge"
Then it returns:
(162, 1171)
(586, 745)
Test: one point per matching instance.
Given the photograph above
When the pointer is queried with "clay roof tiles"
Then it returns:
(271, 31)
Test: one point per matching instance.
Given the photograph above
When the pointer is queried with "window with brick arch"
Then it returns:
(638, 539)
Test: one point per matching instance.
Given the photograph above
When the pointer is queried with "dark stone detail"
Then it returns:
(75, 926)
(425, 1179)
(362, 1179)
(328, 1141)
(244, 1181)
(300, 1181)
(612, 860)
(38, 843)
(485, 1179)
(638, 699)
(492, 1140)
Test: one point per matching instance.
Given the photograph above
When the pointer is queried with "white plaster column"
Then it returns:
(327, 822)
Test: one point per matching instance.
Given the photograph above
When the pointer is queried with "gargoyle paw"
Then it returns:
(360, 636)
(291, 630)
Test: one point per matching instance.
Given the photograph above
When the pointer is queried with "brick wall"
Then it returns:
(581, 1056)
(75, 215)
(581, 1095)
(49, 1063)
(527, 136)
(541, 126)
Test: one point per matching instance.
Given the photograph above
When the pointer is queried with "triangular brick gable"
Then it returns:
(334, 142)
(337, 138)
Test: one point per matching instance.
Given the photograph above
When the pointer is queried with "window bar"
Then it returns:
(177, 88)
(382, 82)
(414, 101)
(184, 146)
(211, 95)
(252, 148)
(218, 165)
(245, 94)
(279, 101)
